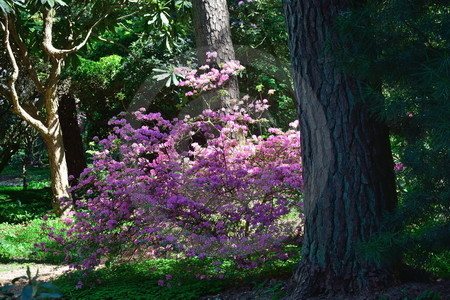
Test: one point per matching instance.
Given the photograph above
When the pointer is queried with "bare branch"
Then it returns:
(23, 49)
(48, 35)
(12, 87)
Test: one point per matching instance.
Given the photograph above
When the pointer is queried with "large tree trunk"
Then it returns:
(212, 34)
(73, 143)
(347, 163)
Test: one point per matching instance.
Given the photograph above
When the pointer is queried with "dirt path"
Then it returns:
(46, 272)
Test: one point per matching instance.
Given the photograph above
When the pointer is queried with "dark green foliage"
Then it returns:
(115, 72)
(19, 206)
(258, 31)
(401, 49)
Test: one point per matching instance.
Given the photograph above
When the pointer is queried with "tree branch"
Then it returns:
(12, 86)
(48, 35)
(23, 49)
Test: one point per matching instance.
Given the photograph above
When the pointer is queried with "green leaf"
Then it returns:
(161, 77)
(49, 295)
(175, 79)
(164, 19)
(49, 286)
(18, 278)
(28, 272)
(5, 7)
(168, 46)
(153, 20)
(35, 290)
(27, 293)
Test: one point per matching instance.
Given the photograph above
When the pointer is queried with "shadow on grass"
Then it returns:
(17, 206)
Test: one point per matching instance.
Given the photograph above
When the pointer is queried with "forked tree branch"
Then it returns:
(48, 36)
(14, 97)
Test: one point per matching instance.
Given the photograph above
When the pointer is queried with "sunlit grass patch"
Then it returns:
(17, 242)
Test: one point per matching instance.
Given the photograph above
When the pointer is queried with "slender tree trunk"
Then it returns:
(213, 34)
(347, 162)
(26, 162)
(73, 143)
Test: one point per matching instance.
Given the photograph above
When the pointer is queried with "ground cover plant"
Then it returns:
(17, 242)
(17, 205)
(172, 279)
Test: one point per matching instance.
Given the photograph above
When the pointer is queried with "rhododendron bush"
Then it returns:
(205, 187)
(154, 190)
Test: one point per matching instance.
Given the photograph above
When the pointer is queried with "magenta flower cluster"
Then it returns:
(214, 186)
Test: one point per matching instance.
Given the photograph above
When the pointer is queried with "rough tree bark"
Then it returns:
(212, 34)
(347, 161)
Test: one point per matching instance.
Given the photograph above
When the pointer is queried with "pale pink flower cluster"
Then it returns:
(209, 78)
